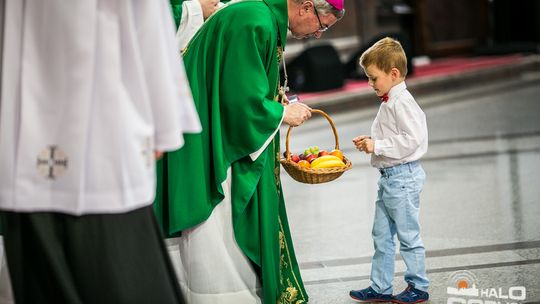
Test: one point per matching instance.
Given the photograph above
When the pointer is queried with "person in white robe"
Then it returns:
(91, 92)
(194, 13)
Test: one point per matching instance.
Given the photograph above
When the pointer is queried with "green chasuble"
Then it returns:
(233, 67)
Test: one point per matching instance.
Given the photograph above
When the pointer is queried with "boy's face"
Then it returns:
(380, 81)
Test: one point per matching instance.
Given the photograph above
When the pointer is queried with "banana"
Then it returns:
(323, 159)
(328, 164)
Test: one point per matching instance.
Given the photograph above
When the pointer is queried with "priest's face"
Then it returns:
(306, 21)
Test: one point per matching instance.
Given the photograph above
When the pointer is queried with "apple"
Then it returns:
(295, 158)
(337, 153)
(322, 153)
(302, 156)
(310, 157)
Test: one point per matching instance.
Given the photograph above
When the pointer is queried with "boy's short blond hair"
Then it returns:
(385, 54)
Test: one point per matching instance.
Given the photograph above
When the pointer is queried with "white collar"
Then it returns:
(395, 90)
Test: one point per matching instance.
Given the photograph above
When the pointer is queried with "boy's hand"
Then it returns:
(358, 139)
(364, 143)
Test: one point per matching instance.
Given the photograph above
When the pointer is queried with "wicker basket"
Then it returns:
(309, 175)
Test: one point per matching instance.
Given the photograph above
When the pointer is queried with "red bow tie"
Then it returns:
(384, 98)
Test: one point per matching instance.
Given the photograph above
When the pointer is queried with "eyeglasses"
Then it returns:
(322, 28)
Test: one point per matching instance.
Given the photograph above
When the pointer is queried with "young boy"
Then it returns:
(398, 139)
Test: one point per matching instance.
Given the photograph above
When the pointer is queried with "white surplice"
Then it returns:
(210, 266)
(191, 21)
(82, 80)
(78, 79)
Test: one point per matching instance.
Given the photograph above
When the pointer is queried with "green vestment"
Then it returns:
(233, 67)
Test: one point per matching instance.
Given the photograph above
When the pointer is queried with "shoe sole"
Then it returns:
(400, 302)
(371, 301)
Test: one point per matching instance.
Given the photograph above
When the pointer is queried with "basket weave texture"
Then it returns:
(309, 175)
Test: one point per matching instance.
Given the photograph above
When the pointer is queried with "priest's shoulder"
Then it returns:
(248, 12)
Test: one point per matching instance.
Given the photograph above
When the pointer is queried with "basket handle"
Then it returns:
(336, 137)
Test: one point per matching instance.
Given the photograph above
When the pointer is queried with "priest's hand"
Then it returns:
(296, 113)
(158, 154)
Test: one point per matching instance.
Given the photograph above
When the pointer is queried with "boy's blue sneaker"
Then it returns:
(370, 295)
(411, 295)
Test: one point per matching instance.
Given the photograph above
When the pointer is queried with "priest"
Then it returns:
(91, 92)
(222, 190)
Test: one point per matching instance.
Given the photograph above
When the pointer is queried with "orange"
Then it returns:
(337, 153)
(304, 163)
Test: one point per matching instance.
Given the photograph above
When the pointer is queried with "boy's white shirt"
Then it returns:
(399, 130)
(89, 90)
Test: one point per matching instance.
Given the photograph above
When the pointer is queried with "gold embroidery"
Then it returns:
(276, 172)
(290, 294)
(275, 144)
(279, 53)
(281, 89)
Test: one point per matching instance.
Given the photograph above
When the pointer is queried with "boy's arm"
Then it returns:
(412, 128)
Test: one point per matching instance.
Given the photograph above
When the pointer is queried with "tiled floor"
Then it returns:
(480, 209)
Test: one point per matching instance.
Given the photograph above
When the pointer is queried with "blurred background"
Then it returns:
(427, 29)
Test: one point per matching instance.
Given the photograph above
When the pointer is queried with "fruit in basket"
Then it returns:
(314, 158)
(310, 157)
(311, 150)
(325, 158)
(338, 153)
(328, 164)
(323, 153)
(304, 163)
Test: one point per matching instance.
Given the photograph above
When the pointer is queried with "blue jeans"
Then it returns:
(397, 208)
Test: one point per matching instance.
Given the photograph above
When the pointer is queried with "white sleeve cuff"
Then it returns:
(170, 141)
(378, 147)
(257, 153)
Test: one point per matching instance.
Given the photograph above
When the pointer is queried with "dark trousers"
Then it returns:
(105, 258)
